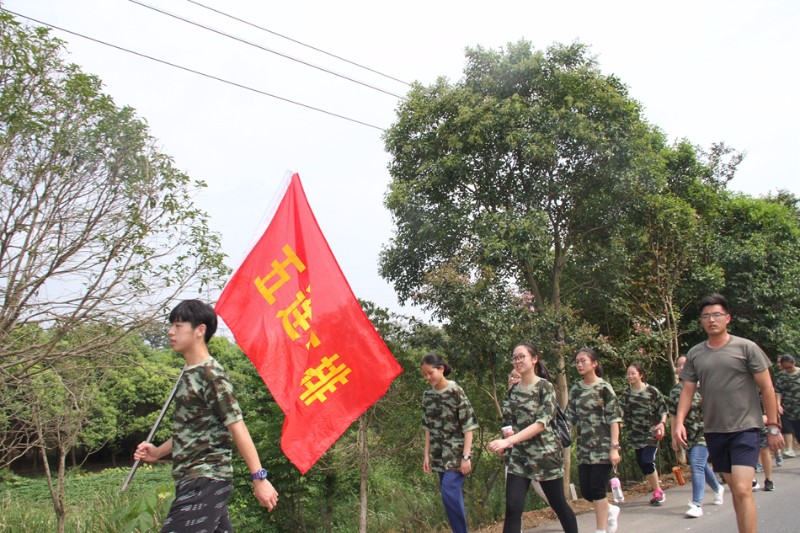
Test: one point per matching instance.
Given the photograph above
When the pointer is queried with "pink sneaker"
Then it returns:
(658, 497)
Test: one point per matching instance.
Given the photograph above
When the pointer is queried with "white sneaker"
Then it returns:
(613, 514)
(756, 485)
(789, 453)
(694, 511)
(718, 496)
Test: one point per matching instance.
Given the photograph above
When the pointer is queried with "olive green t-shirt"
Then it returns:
(730, 399)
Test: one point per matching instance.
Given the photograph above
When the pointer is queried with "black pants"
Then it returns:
(517, 492)
(200, 504)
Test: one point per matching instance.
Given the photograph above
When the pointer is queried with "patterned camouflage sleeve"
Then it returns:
(672, 399)
(780, 383)
(426, 423)
(222, 400)
(613, 413)
(661, 405)
(571, 407)
(466, 415)
(624, 402)
(547, 407)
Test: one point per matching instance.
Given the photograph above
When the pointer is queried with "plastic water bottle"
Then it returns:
(616, 490)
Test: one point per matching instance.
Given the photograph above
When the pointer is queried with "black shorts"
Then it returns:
(728, 449)
(593, 480)
(200, 504)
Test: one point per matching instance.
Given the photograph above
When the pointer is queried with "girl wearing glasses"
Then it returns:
(532, 448)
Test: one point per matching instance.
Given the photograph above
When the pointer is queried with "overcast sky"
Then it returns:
(706, 71)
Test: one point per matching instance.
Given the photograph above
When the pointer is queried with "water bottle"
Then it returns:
(616, 490)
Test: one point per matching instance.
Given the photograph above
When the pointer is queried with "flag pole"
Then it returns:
(153, 430)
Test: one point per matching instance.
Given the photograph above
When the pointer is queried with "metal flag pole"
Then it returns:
(153, 431)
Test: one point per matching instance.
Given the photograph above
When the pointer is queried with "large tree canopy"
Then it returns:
(530, 156)
(502, 179)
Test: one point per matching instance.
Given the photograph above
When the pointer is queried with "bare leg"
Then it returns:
(601, 513)
(740, 482)
(653, 480)
(766, 461)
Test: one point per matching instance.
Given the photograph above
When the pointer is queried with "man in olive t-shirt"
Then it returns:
(729, 369)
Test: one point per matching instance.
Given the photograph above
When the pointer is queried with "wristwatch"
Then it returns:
(261, 474)
(774, 430)
(467, 458)
(615, 446)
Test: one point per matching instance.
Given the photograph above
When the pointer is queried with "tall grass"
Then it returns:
(94, 502)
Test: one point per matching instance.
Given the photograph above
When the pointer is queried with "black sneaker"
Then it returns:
(769, 485)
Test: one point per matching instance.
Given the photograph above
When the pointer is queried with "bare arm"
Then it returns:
(770, 403)
(426, 459)
(466, 466)
(613, 455)
(684, 404)
(264, 491)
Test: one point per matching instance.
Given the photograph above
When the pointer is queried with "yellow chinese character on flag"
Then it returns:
(323, 379)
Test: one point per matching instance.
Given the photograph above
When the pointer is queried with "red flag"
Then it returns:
(293, 313)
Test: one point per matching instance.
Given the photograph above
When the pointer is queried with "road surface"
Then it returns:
(777, 510)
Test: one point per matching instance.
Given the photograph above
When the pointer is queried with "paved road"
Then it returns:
(777, 510)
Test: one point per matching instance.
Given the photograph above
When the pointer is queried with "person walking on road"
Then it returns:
(593, 410)
(787, 385)
(697, 452)
(532, 447)
(448, 420)
(729, 369)
(644, 413)
(206, 423)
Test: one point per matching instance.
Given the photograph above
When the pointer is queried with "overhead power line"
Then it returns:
(193, 71)
(264, 48)
(320, 50)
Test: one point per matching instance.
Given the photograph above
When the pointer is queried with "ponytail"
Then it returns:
(592, 355)
(436, 361)
(539, 367)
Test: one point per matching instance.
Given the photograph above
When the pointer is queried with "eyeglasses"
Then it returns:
(715, 316)
(582, 362)
(517, 358)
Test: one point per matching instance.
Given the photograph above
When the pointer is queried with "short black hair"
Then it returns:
(195, 313)
(713, 299)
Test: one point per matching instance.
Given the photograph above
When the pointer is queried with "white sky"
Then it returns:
(708, 71)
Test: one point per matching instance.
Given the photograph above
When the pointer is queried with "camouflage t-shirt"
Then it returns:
(694, 418)
(204, 408)
(641, 411)
(788, 386)
(447, 415)
(538, 458)
(591, 411)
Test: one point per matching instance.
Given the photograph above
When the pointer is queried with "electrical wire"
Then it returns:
(187, 69)
(264, 48)
(320, 50)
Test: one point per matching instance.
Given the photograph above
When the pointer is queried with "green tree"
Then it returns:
(525, 164)
(757, 245)
(96, 226)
